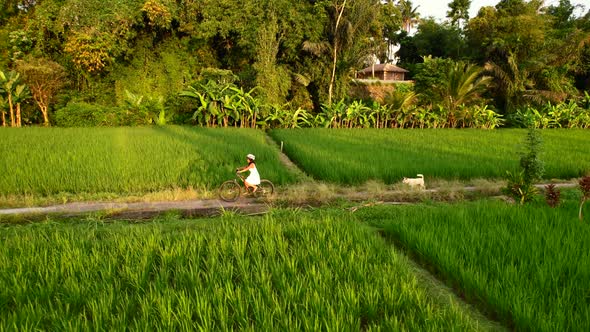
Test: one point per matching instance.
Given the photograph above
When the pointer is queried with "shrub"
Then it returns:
(78, 114)
(517, 187)
(532, 166)
(520, 185)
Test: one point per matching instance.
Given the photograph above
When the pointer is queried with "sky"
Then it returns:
(439, 8)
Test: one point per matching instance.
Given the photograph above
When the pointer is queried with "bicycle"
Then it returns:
(231, 190)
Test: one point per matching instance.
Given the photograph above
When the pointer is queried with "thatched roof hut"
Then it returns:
(384, 72)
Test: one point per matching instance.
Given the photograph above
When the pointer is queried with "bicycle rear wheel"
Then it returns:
(229, 191)
(265, 189)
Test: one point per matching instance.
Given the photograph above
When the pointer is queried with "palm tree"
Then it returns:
(459, 10)
(514, 82)
(398, 102)
(463, 87)
(410, 15)
(336, 42)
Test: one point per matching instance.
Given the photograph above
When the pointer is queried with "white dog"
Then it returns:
(417, 182)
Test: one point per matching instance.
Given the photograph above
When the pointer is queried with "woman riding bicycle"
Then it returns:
(253, 180)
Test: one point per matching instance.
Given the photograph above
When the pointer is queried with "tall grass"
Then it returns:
(128, 160)
(357, 155)
(529, 266)
(286, 271)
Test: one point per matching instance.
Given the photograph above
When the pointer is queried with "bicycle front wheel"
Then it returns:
(229, 191)
(265, 189)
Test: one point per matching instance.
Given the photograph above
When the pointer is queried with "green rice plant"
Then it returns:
(45, 161)
(286, 271)
(355, 156)
(527, 265)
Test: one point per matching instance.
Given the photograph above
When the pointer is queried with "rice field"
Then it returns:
(44, 161)
(354, 156)
(285, 271)
(527, 265)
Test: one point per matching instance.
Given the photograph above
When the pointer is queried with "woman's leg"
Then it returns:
(249, 185)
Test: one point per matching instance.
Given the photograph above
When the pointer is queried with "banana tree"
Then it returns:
(320, 120)
(380, 113)
(276, 117)
(203, 104)
(21, 93)
(199, 114)
(226, 105)
(358, 115)
(398, 117)
(246, 105)
(420, 116)
(9, 83)
(212, 98)
(300, 118)
(439, 118)
(335, 113)
(582, 120)
(3, 107)
(490, 118)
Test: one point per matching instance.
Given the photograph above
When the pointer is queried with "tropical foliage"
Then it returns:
(562, 115)
(299, 56)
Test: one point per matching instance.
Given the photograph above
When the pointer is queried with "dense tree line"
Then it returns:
(146, 56)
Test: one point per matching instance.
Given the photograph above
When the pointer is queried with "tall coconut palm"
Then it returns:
(348, 23)
(337, 42)
(463, 86)
(410, 15)
(459, 11)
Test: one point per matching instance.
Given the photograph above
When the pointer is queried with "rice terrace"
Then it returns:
(281, 165)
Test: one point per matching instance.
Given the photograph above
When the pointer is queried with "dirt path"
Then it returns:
(447, 296)
(200, 208)
(287, 162)
(143, 210)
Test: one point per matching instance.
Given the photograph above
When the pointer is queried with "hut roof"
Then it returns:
(384, 68)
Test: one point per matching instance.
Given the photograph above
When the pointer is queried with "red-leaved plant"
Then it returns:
(585, 188)
(552, 195)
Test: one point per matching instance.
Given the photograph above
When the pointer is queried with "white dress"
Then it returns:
(254, 177)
